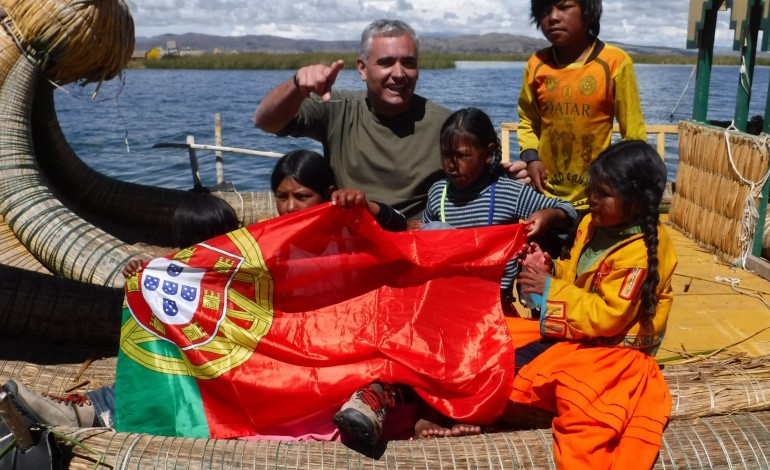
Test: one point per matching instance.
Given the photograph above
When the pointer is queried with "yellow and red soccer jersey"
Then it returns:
(566, 114)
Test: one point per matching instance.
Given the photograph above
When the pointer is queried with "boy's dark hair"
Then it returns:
(636, 172)
(201, 216)
(470, 123)
(308, 168)
(591, 11)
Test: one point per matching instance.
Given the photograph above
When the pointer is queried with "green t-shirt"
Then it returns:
(393, 160)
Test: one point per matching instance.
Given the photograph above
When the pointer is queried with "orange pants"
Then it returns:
(611, 404)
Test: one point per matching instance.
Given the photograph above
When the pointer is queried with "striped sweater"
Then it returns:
(470, 207)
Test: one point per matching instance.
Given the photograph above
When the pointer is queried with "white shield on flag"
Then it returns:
(184, 299)
(172, 290)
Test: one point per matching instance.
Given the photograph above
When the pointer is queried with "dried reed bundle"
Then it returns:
(732, 441)
(713, 442)
(714, 386)
(710, 230)
(85, 230)
(52, 309)
(85, 40)
(76, 222)
(719, 386)
(15, 254)
(49, 230)
(251, 207)
(710, 200)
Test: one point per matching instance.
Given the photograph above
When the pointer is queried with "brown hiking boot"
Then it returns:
(360, 418)
(73, 410)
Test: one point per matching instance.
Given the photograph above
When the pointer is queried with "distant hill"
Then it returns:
(251, 43)
(654, 50)
(492, 43)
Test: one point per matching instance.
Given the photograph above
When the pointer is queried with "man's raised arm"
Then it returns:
(282, 102)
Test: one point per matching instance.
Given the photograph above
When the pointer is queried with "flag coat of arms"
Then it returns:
(283, 319)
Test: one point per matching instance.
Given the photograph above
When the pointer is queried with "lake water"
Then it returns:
(115, 133)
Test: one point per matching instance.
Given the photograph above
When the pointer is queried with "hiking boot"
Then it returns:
(360, 418)
(73, 410)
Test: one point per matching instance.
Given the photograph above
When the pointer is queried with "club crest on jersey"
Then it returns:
(184, 300)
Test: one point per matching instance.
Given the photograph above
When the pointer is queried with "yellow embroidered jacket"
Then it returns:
(566, 114)
(601, 305)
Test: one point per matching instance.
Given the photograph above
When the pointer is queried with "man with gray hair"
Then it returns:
(383, 141)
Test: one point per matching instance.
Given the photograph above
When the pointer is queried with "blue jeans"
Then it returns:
(103, 400)
(526, 354)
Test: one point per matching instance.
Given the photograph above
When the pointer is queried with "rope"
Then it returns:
(692, 74)
(733, 281)
(243, 206)
(750, 213)
(745, 81)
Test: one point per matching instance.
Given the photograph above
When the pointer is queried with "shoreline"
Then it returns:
(428, 60)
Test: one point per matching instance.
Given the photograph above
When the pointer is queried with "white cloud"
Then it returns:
(649, 22)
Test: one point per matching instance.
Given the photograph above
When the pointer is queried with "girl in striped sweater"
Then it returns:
(477, 192)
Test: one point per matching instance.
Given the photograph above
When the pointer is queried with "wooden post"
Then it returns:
(194, 163)
(505, 144)
(220, 163)
(705, 61)
(11, 417)
(749, 33)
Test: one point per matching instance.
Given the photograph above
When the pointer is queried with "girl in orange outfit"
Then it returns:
(604, 316)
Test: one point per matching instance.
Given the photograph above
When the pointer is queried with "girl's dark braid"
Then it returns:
(636, 172)
(650, 213)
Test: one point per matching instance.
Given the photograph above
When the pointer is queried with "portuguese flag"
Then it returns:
(287, 318)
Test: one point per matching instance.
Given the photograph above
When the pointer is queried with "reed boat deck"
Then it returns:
(715, 305)
(719, 311)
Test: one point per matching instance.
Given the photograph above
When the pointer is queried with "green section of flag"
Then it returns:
(177, 412)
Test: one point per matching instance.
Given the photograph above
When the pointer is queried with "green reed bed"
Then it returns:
(428, 60)
(265, 61)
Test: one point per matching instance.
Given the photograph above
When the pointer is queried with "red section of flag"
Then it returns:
(354, 304)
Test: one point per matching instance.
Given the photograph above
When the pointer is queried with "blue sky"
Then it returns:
(641, 22)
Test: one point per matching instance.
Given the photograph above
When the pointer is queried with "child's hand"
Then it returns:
(133, 266)
(540, 221)
(535, 257)
(536, 172)
(532, 279)
(349, 198)
(414, 224)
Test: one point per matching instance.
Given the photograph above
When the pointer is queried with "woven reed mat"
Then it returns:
(738, 386)
(708, 387)
(735, 441)
(251, 207)
(710, 202)
(14, 253)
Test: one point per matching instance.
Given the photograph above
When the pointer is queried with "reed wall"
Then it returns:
(712, 197)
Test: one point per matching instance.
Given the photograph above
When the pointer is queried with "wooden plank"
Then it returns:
(759, 266)
(696, 19)
(739, 19)
(661, 130)
(765, 25)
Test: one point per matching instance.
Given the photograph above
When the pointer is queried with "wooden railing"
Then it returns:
(660, 129)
